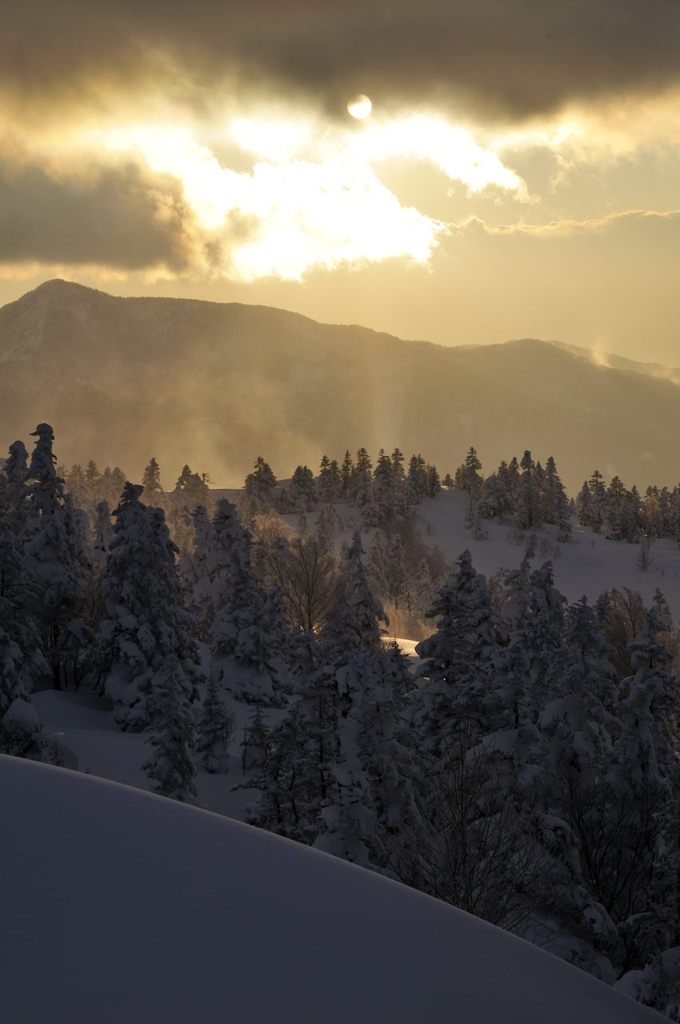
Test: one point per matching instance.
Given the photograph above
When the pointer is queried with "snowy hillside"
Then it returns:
(588, 564)
(121, 906)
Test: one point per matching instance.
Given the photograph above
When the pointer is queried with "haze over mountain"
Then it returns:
(215, 385)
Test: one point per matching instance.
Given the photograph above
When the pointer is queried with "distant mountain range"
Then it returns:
(216, 384)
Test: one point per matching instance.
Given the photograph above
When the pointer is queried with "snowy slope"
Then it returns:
(120, 906)
(92, 742)
(588, 564)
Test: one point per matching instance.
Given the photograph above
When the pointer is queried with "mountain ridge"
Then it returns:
(216, 384)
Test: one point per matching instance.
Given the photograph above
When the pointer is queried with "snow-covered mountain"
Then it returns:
(216, 384)
(121, 906)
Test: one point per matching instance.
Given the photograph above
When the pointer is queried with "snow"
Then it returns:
(20, 712)
(119, 905)
(588, 564)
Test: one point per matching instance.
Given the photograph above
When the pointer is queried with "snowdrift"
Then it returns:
(121, 906)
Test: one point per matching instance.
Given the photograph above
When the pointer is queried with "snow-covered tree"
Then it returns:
(102, 533)
(355, 615)
(171, 767)
(146, 624)
(244, 635)
(15, 476)
(259, 486)
(458, 658)
(55, 552)
(214, 731)
(151, 482)
(302, 493)
(468, 477)
(329, 481)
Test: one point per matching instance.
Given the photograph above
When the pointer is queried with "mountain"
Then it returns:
(216, 384)
(614, 362)
(122, 906)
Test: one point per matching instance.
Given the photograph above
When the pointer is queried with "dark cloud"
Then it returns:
(117, 216)
(507, 57)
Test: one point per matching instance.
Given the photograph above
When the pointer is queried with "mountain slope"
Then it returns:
(118, 905)
(217, 384)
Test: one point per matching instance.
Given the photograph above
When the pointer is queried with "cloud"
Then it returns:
(119, 216)
(631, 224)
(297, 214)
(495, 58)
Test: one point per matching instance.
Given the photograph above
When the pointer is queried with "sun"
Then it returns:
(360, 107)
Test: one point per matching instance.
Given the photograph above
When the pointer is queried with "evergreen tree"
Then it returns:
(151, 482)
(214, 731)
(170, 767)
(259, 486)
(145, 636)
(55, 551)
(359, 491)
(21, 661)
(416, 479)
(196, 570)
(15, 475)
(527, 495)
(248, 628)
(554, 504)
(346, 472)
(468, 477)
(355, 615)
(458, 658)
(302, 492)
(92, 478)
(328, 482)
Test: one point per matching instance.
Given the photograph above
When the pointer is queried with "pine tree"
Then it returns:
(360, 484)
(255, 744)
(15, 475)
(55, 551)
(248, 628)
(296, 777)
(92, 478)
(554, 504)
(416, 479)
(388, 570)
(103, 534)
(170, 735)
(214, 731)
(328, 482)
(398, 473)
(346, 471)
(527, 495)
(468, 477)
(458, 658)
(151, 482)
(21, 661)
(302, 492)
(146, 625)
(259, 486)
(195, 567)
(353, 622)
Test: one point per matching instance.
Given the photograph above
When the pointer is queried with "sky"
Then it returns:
(518, 174)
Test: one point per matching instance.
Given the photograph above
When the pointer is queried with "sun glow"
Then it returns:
(311, 194)
(283, 218)
(360, 107)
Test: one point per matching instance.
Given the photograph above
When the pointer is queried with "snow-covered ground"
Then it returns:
(588, 564)
(121, 906)
(93, 743)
